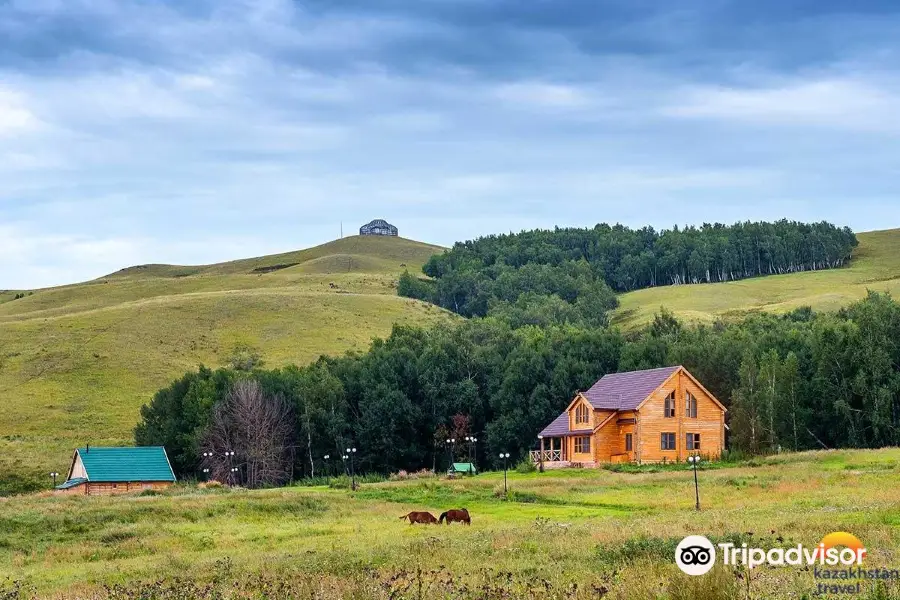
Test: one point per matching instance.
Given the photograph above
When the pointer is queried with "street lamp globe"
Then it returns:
(354, 450)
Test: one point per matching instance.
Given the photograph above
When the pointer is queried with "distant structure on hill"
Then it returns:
(378, 227)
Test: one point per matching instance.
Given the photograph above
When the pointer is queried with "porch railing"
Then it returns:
(548, 456)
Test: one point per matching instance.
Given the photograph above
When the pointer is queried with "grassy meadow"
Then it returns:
(575, 533)
(875, 266)
(78, 361)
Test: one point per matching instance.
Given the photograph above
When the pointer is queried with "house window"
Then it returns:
(669, 408)
(582, 414)
(583, 445)
(693, 441)
(667, 441)
(628, 442)
(690, 406)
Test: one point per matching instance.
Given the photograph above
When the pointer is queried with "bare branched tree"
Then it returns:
(259, 429)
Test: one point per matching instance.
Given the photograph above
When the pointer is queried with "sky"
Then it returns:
(195, 131)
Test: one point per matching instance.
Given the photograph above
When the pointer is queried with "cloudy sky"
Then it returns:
(192, 131)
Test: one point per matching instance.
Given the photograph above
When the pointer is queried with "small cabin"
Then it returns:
(97, 471)
(657, 415)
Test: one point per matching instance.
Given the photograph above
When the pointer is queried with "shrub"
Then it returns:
(526, 466)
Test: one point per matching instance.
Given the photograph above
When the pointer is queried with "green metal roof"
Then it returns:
(464, 467)
(143, 463)
(71, 483)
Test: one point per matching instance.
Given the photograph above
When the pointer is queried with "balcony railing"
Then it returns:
(548, 456)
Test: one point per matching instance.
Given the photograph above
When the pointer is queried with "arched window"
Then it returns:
(582, 414)
(669, 408)
(690, 406)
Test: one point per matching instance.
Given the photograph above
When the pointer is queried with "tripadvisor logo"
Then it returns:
(696, 555)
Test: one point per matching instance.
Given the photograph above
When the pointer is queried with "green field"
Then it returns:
(875, 266)
(576, 527)
(78, 361)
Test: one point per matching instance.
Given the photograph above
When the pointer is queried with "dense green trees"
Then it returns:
(473, 277)
(799, 381)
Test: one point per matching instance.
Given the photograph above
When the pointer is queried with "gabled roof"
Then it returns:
(143, 463)
(626, 391)
(560, 426)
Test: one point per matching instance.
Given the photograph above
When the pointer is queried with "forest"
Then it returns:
(573, 273)
(804, 380)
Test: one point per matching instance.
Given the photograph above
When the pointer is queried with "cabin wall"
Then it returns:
(110, 488)
(651, 423)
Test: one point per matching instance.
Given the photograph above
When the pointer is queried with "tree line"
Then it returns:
(799, 381)
(488, 275)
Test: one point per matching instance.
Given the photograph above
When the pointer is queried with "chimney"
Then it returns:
(87, 449)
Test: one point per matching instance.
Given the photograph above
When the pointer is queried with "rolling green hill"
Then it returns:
(78, 361)
(875, 266)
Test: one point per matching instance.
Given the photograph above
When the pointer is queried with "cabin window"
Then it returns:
(669, 408)
(583, 445)
(582, 414)
(115, 486)
(690, 406)
(628, 442)
(667, 441)
(693, 441)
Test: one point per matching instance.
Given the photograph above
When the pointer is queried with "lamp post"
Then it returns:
(351, 452)
(229, 455)
(206, 473)
(541, 455)
(505, 457)
(327, 466)
(695, 460)
(54, 475)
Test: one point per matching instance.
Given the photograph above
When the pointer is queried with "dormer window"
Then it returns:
(582, 415)
(669, 407)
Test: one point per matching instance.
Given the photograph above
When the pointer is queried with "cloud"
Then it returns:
(15, 117)
(203, 130)
(839, 103)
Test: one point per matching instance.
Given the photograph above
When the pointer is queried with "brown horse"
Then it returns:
(460, 516)
(420, 517)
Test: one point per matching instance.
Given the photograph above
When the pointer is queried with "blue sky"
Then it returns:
(193, 131)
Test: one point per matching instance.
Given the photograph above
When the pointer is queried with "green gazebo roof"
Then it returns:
(464, 468)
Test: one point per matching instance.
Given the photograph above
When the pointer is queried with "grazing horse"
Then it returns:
(420, 517)
(461, 516)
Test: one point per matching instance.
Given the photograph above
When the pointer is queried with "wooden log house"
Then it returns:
(642, 416)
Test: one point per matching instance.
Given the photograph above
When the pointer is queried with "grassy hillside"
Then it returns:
(875, 266)
(561, 534)
(78, 361)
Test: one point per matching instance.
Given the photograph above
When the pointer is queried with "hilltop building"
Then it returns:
(378, 227)
(659, 415)
(101, 471)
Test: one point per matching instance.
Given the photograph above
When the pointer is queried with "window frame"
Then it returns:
(669, 406)
(668, 436)
(690, 406)
(629, 442)
(581, 441)
(582, 414)
(692, 441)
